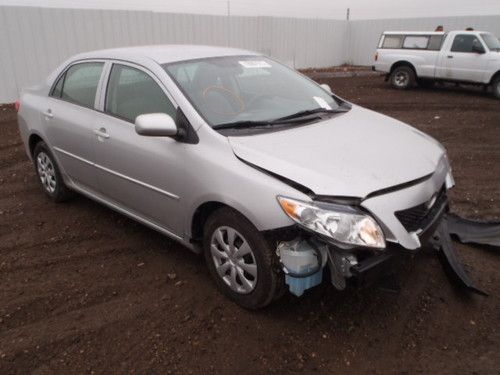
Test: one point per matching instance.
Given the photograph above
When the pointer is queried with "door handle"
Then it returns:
(450, 56)
(48, 113)
(101, 133)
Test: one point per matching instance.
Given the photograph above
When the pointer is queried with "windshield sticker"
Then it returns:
(322, 102)
(254, 64)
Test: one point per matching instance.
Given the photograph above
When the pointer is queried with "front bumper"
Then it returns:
(386, 205)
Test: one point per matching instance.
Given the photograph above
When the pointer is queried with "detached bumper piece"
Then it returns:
(475, 232)
(441, 241)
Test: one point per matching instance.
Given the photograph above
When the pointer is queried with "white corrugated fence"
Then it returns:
(34, 40)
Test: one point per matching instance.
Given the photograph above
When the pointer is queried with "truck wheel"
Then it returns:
(496, 87)
(403, 77)
(240, 260)
(49, 174)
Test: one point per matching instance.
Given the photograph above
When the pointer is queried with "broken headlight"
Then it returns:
(343, 224)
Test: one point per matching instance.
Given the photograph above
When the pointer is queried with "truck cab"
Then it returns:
(410, 57)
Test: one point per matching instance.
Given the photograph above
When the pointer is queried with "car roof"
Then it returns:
(434, 32)
(163, 54)
(415, 32)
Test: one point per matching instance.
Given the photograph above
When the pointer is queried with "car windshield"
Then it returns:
(491, 41)
(236, 90)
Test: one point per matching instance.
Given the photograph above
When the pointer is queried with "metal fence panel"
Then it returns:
(34, 40)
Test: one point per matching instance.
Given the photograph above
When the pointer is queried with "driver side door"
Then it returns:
(462, 63)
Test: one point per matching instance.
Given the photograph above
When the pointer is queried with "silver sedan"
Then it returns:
(270, 175)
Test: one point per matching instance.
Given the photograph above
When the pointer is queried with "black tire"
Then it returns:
(403, 78)
(57, 191)
(495, 86)
(269, 283)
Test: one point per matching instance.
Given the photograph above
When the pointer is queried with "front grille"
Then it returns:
(420, 217)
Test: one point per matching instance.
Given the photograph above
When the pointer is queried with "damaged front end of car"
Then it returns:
(364, 241)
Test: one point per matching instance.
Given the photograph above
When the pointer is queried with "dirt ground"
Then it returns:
(85, 290)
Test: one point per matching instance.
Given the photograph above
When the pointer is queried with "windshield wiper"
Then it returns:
(298, 117)
(309, 112)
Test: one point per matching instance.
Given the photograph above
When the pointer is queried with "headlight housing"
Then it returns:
(344, 225)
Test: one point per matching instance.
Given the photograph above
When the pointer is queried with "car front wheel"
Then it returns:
(240, 260)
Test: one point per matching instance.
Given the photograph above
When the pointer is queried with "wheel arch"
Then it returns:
(494, 77)
(33, 140)
(403, 63)
(203, 212)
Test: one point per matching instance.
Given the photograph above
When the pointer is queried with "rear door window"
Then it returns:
(79, 84)
(132, 92)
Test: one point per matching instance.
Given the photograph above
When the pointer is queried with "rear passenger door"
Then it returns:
(143, 175)
(69, 119)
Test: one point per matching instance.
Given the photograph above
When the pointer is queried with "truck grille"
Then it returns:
(420, 217)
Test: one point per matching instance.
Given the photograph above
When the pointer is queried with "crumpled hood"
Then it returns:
(351, 154)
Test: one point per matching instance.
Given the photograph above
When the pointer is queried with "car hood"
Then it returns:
(351, 154)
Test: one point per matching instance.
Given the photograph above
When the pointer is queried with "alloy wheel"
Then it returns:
(234, 260)
(46, 172)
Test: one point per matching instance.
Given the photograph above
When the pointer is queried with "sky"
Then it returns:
(333, 9)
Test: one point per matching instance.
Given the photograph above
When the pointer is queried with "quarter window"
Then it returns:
(57, 91)
(79, 84)
(132, 92)
(464, 43)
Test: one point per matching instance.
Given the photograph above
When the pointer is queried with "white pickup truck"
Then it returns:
(410, 57)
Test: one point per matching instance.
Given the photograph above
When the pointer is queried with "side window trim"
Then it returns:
(107, 76)
(63, 76)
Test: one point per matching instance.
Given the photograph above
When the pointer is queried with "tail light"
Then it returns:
(17, 105)
(376, 56)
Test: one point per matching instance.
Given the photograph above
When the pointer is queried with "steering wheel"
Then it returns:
(233, 99)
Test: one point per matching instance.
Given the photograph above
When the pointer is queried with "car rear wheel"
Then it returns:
(49, 174)
(403, 78)
(242, 263)
(496, 87)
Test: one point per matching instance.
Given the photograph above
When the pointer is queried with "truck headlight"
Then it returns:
(343, 224)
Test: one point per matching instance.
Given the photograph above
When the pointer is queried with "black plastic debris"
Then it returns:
(441, 241)
(476, 232)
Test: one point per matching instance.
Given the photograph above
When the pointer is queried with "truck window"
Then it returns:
(416, 42)
(464, 43)
(435, 42)
(392, 41)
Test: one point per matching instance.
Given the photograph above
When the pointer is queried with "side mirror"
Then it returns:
(477, 48)
(155, 125)
(326, 87)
